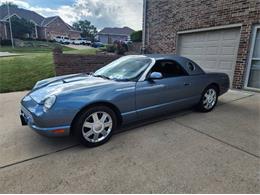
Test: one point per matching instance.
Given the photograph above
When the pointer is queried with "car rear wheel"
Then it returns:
(95, 126)
(208, 99)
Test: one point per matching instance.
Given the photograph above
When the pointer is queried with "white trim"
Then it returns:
(144, 75)
(250, 57)
(32, 21)
(210, 28)
(14, 14)
(55, 17)
(42, 22)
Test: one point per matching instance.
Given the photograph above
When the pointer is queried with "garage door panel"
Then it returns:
(230, 35)
(228, 50)
(213, 36)
(226, 65)
(212, 50)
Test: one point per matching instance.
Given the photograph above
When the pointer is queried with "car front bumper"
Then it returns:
(27, 119)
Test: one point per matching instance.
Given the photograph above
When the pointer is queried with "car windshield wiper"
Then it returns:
(123, 80)
(101, 76)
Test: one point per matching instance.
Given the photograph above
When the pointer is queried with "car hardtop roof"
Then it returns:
(165, 56)
(162, 56)
(183, 61)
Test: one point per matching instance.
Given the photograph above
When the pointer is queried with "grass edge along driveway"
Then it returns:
(18, 73)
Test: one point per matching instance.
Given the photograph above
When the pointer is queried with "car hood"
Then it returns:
(65, 84)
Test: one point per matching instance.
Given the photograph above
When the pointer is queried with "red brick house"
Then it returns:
(45, 28)
(220, 35)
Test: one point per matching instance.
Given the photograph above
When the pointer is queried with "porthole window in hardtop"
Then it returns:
(191, 66)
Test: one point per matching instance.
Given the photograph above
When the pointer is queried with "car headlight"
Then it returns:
(48, 102)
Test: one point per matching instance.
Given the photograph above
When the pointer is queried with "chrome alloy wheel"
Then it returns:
(97, 126)
(209, 98)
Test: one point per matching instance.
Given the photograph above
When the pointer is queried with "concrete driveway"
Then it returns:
(189, 152)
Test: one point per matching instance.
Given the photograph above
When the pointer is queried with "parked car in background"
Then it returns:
(88, 42)
(72, 41)
(131, 88)
(78, 42)
(97, 44)
(62, 39)
(81, 41)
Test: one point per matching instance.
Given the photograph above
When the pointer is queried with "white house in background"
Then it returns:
(109, 35)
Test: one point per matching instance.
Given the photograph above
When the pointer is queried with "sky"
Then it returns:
(102, 13)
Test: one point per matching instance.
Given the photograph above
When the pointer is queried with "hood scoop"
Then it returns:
(73, 79)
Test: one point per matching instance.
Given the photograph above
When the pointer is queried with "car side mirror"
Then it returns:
(155, 75)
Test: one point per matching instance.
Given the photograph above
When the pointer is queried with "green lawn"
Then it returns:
(22, 72)
(19, 73)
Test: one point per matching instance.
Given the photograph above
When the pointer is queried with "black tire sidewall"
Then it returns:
(81, 119)
(201, 106)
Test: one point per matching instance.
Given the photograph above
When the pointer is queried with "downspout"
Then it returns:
(144, 25)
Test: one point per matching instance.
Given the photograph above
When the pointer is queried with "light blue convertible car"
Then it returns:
(136, 87)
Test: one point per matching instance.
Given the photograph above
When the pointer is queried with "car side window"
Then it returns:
(168, 68)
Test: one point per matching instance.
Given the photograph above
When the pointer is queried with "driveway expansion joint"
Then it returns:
(39, 156)
(217, 139)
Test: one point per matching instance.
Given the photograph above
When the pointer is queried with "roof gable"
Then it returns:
(48, 20)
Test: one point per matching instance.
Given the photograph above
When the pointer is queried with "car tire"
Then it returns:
(95, 126)
(209, 99)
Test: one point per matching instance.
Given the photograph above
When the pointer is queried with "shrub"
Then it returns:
(110, 48)
(120, 47)
(5, 42)
(136, 36)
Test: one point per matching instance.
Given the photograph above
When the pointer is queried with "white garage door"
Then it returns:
(214, 51)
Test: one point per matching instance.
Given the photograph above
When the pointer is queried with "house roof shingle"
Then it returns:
(26, 14)
(117, 31)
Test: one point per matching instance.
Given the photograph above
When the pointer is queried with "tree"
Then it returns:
(136, 36)
(4, 5)
(21, 27)
(88, 30)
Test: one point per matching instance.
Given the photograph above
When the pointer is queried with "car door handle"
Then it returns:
(187, 84)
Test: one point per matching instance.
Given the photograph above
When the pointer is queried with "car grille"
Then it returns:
(26, 114)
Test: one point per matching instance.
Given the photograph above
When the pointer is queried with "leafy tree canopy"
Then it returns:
(10, 5)
(136, 36)
(88, 30)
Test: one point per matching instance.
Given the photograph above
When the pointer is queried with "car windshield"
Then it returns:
(124, 69)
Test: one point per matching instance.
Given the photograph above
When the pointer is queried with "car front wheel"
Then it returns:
(208, 99)
(95, 126)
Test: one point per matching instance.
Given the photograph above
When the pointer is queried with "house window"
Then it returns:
(254, 61)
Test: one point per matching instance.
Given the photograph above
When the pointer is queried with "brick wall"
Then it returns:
(164, 18)
(75, 63)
